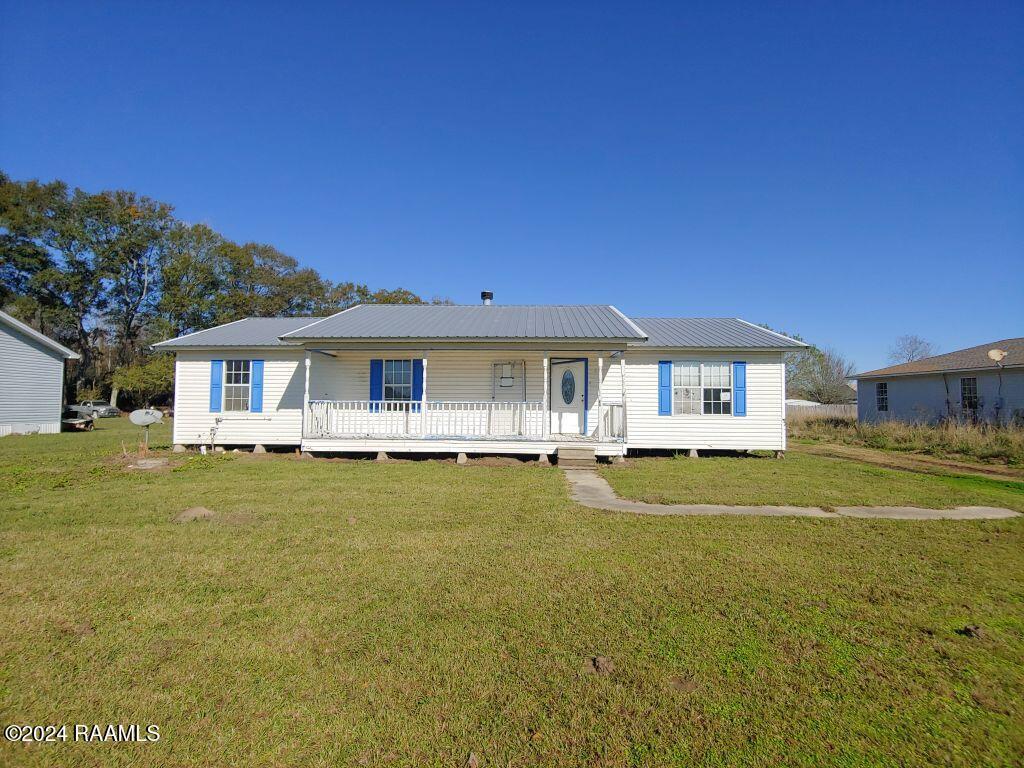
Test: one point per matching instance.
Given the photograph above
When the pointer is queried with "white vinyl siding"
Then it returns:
(280, 422)
(763, 428)
(31, 384)
(462, 375)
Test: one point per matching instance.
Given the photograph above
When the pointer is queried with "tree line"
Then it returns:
(108, 273)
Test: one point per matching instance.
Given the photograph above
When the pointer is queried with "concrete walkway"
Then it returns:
(592, 490)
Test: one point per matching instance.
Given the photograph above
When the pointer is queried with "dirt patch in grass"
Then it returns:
(198, 514)
(600, 665)
(682, 684)
(149, 463)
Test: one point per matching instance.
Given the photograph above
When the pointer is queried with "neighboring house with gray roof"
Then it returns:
(482, 379)
(982, 383)
(31, 379)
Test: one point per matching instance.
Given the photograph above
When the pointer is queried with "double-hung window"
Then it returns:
(237, 385)
(701, 388)
(398, 380)
(686, 391)
(882, 396)
(716, 379)
(969, 393)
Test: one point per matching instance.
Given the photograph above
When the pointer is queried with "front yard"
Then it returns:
(804, 479)
(410, 613)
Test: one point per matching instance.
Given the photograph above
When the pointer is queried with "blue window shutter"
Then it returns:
(216, 384)
(376, 383)
(417, 384)
(665, 388)
(256, 379)
(739, 389)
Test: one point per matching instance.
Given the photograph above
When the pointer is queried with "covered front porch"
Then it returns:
(463, 401)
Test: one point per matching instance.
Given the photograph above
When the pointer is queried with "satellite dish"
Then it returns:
(996, 355)
(146, 416)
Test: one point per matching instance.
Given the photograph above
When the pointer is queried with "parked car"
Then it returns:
(75, 418)
(100, 409)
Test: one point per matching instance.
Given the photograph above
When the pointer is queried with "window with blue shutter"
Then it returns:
(216, 384)
(739, 389)
(665, 388)
(256, 396)
(376, 384)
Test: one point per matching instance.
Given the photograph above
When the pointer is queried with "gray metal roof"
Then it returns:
(714, 332)
(478, 321)
(250, 332)
(496, 321)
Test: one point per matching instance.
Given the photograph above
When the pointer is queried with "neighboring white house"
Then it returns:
(968, 384)
(481, 379)
(31, 379)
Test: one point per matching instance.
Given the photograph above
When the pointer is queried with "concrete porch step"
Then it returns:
(576, 457)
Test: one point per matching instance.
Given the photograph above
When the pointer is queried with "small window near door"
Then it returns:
(969, 393)
(882, 396)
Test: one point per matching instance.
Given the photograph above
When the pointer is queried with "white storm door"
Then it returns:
(567, 392)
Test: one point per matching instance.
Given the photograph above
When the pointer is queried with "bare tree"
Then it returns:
(909, 348)
(825, 377)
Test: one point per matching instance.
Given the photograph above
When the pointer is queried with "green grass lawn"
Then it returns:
(802, 479)
(353, 613)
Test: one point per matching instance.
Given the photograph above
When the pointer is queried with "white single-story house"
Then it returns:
(982, 383)
(481, 379)
(31, 379)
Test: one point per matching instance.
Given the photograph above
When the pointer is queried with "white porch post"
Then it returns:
(305, 399)
(600, 378)
(545, 414)
(423, 397)
(622, 383)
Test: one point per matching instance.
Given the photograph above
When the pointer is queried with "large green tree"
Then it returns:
(108, 273)
(128, 236)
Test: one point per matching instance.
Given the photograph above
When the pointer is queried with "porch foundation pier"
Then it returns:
(461, 459)
(693, 453)
(381, 456)
(179, 448)
(543, 459)
(259, 448)
(780, 454)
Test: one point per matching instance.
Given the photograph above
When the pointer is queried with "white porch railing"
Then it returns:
(388, 419)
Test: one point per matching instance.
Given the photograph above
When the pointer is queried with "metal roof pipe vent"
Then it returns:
(486, 296)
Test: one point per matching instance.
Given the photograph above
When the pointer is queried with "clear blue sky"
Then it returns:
(849, 172)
